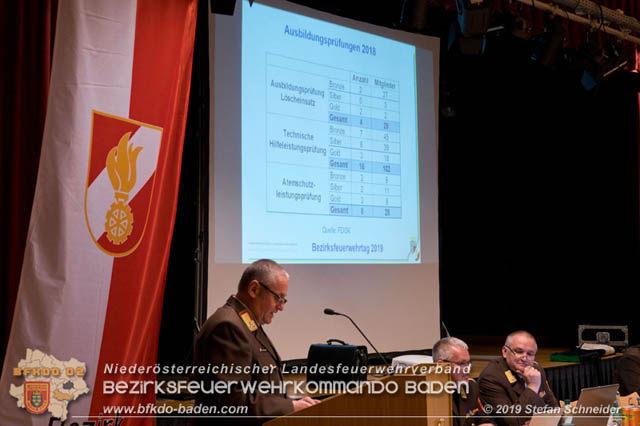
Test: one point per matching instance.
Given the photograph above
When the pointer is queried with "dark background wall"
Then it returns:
(538, 198)
(538, 185)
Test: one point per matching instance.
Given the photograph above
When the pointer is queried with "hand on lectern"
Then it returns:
(305, 402)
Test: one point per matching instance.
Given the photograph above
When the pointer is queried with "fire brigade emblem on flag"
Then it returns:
(120, 180)
(121, 166)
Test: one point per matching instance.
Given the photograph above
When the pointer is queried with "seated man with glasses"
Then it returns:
(466, 407)
(514, 386)
(235, 349)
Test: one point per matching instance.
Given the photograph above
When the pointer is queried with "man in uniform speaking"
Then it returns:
(515, 385)
(233, 344)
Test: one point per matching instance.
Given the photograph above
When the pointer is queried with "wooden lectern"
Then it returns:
(368, 407)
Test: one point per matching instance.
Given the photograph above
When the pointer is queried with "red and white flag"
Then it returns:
(90, 296)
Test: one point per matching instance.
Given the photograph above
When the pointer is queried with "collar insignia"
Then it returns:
(248, 321)
(463, 393)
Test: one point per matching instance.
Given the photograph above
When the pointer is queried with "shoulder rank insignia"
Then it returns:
(248, 321)
(510, 377)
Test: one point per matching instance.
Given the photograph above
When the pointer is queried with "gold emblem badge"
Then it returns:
(121, 166)
(510, 377)
(248, 321)
(123, 158)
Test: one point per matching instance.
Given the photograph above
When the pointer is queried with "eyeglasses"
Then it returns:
(520, 352)
(279, 299)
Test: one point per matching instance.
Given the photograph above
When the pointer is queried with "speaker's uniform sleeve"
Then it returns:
(230, 345)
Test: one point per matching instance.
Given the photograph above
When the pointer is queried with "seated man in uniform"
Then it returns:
(627, 372)
(515, 385)
(466, 407)
(233, 344)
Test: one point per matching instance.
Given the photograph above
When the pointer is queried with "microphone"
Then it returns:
(329, 311)
(444, 327)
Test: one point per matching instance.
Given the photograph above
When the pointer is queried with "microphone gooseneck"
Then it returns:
(329, 311)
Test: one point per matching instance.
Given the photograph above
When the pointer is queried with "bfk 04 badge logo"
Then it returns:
(122, 171)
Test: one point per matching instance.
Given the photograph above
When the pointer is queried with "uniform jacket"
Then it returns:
(505, 391)
(467, 409)
(628, 371)
(226, 340)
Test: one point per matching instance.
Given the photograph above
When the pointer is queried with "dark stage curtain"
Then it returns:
(26, 47)
(26, 43)
(567, 381)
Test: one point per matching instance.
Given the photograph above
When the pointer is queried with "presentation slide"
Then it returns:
(323, 157)
(329, 142)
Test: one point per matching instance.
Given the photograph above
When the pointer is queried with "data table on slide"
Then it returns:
(333, 140)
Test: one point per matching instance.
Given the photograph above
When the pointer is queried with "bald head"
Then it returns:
(263, 270)
(517, 334)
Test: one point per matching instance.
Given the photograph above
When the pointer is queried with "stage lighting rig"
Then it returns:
(473, 16)
(604, 61)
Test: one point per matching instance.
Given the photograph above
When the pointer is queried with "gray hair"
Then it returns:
(511, 336)
(263, 270)
(442, 348)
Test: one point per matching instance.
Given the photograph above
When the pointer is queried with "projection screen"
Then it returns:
(323, 158)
